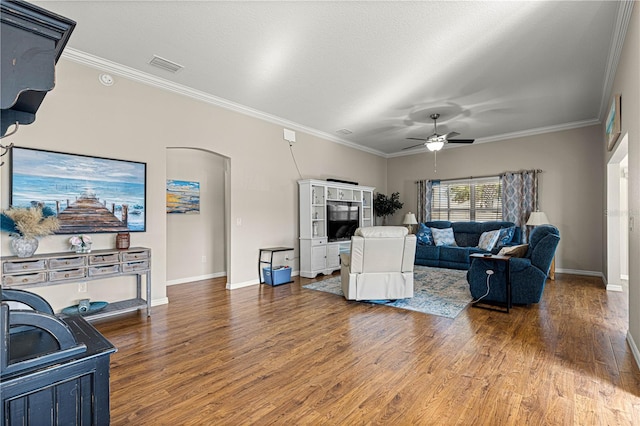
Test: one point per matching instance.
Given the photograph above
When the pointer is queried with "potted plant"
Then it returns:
(25, 224)
(386, 206)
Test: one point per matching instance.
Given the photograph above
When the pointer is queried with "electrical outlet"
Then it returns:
(204, 259)
(82, 287)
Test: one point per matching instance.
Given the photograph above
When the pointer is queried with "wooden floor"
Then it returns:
(288, 355)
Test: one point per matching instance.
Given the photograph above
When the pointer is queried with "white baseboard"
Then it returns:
(614, 287)
(196, 278)
(579, 272)
(161, 301)
(235, 286)
(611, 286)
(634, 349)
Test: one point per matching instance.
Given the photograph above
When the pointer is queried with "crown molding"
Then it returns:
(152, 80)
(541, 130)
(615, 51)
(514, 135)
(160, 83)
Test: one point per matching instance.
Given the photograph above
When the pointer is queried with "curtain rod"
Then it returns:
(485, 176)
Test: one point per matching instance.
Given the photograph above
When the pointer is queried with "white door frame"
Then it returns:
(615, 216)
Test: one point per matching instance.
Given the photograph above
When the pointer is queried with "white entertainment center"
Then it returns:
(318, 255)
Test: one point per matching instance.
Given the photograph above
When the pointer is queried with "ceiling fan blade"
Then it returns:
(414, 146)
(461, 140)
(418, 139)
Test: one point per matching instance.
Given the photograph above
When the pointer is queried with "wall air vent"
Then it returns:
(165, 64)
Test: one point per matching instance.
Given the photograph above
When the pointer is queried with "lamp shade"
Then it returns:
(409, 219)
(537, 218)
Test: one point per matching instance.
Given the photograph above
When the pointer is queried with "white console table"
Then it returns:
(65, 267)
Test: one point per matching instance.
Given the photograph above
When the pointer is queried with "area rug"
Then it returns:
(436, 291)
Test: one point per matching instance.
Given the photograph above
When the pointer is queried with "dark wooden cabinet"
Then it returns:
(40, 388)
(31, 42)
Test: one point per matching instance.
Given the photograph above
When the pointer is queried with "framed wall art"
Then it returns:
(183, 196)
(612, 125)
(89, 194)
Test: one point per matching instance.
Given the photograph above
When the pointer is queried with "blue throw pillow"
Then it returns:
(506, 235)
(443, 237)
(424, 235)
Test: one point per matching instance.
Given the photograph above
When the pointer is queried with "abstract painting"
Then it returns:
(183, 196)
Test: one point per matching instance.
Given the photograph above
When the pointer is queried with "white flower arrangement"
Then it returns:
(80, 241)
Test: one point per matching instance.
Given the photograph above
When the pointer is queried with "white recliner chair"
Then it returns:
(380, 265)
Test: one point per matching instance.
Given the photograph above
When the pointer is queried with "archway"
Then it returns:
(198, 243)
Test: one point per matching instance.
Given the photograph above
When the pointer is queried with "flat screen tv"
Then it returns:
(343, 218)
(89, 194)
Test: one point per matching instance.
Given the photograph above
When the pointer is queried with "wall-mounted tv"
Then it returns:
(89, 194)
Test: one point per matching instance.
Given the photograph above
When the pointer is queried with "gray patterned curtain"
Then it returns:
(423, 214)
(519, 198)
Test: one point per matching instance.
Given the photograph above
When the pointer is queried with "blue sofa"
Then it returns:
(467, 236)
(528, 274)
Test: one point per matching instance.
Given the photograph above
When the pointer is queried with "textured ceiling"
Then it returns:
(378, 69)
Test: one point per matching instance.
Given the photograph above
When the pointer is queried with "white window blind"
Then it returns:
(475, 199)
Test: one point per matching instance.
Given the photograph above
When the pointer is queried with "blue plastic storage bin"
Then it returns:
(281, 275)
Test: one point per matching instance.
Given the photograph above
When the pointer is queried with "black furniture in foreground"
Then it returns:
(53, 370)
(32, 42)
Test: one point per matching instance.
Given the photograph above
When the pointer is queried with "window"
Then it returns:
(477, 199)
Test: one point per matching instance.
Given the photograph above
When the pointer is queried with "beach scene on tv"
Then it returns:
(88, 194)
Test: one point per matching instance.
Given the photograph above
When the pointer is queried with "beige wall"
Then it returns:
(196, 242)
(628, 85)
(570, 187)
(134, 121)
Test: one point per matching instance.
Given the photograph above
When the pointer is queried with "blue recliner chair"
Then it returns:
(528, 274)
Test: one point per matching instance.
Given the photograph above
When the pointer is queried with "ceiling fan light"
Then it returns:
(434, 146)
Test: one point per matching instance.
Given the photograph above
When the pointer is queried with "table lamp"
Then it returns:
(537, 218)
(409, 221)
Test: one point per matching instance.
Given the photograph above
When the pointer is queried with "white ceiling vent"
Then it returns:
(165, 64)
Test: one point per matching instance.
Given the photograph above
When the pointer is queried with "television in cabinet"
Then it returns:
(343, 218)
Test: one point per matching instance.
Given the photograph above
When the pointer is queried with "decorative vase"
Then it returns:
(83, 248)
(24, 246)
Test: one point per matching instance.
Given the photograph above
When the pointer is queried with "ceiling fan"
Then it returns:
(435, 142)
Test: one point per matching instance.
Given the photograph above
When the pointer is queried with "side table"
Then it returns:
(271, 251)
(493, 306)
